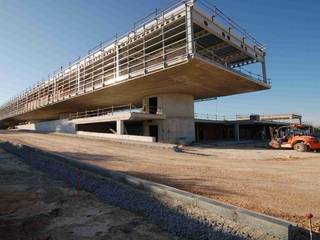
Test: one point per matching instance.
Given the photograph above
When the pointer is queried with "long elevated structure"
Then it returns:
(188, 52)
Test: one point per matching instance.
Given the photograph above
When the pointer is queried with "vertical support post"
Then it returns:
(128, 59)
(163, 45)
(117, 60)
(17, 110)
(78, 78)
(103, 65)
(264, 70)
(54, 88)
(120, 127)
(236, 132)
(189, 30)
(264, 133)
(144, 50)
(69, 82)
(37, 97)
(27, 102)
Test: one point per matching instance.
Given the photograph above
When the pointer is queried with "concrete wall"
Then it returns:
(63, 126)
(178, 127)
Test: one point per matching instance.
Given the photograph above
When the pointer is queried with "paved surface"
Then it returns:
(34, 207)
(281, 183)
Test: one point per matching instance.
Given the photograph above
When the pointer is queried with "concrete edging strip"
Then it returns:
(273, 226)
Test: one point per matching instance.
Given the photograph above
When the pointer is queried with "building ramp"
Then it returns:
(116, 116)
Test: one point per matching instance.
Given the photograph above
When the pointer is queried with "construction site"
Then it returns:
(111, 147)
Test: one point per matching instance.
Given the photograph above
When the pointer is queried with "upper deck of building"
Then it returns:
(191, 47)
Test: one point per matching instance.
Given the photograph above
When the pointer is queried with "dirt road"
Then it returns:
(284, 184)
(34, 207)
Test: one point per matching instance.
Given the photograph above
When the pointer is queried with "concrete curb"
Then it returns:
(273, 226)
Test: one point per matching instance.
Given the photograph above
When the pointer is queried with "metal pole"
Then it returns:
(163, 45)
(78, 78)
(264, 70)
(144, 50)
(189, 29)
(117, 58)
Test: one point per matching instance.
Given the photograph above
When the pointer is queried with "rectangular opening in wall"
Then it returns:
(133, 128)
(153, 105)
(153, 130)
(102, 127)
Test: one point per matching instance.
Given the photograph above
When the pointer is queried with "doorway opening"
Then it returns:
(153, 105)
(153, 130)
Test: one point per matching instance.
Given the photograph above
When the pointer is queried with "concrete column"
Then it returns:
(146, 128)
(120, 127)
(236, 132)
(264, 133)
(178, 125)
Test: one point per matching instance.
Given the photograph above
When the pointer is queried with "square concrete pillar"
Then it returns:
(120, 127)
(236, 132)
(178, 125)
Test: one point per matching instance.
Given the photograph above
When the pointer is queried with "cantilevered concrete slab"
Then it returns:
(197, 77)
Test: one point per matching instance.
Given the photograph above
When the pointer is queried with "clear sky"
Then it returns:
(39, 36)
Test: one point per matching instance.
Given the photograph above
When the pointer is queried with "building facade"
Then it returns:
(145, 82)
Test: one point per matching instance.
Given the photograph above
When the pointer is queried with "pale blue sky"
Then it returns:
(39, 36)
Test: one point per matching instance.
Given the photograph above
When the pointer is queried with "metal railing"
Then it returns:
(253, 75)
(211, 56)
(129, 108)
(206, 116)
(246, 117)
(216, 13)
(105, 111)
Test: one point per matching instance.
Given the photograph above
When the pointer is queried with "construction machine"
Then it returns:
(297, 136)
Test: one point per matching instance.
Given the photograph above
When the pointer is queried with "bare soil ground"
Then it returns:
(281, 183)
(34, 207)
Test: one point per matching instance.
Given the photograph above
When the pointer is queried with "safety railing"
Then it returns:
(104, 111)
(205, 116)
(211, 56)
(129, 108)
(289, 118)
(217, 15)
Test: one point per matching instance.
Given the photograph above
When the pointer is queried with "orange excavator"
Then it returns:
(298, 137)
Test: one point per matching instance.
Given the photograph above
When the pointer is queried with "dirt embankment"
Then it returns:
(281, 183)
(34, 207)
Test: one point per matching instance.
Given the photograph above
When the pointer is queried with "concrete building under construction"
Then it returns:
(143, 84)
